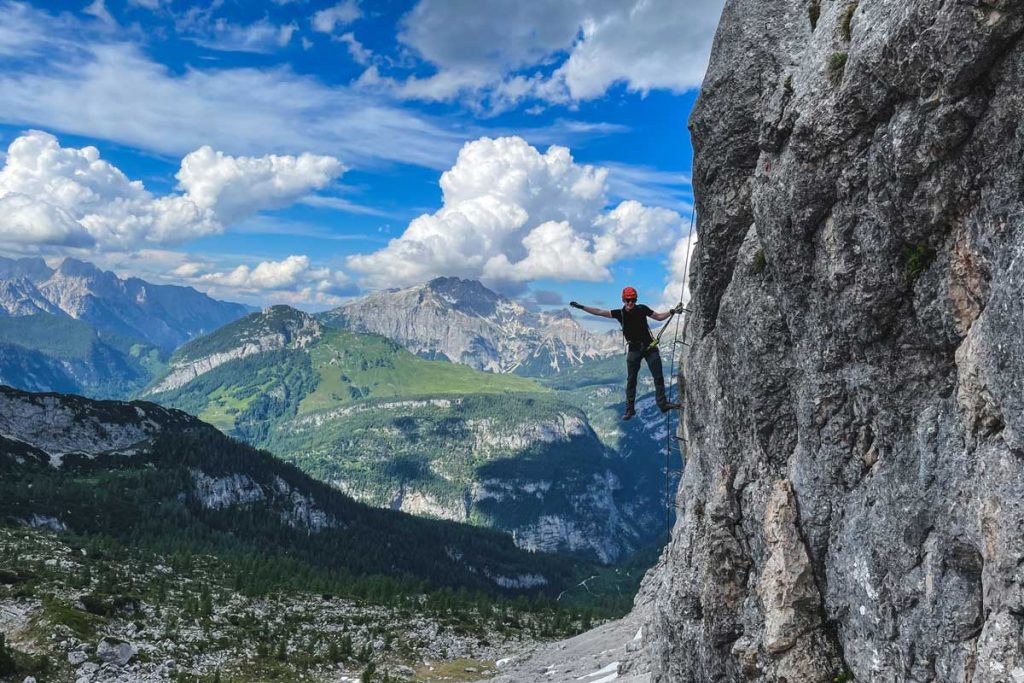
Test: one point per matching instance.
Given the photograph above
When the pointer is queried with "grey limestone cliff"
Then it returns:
(853, 500)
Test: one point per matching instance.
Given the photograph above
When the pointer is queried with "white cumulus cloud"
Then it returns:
(294, 279)
(342, 14)
(67, 197)
(511, 214)
(678, 281)
(235, 187)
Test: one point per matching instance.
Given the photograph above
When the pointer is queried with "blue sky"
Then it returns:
(306, 151)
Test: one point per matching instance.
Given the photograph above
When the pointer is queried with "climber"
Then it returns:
(642, 345)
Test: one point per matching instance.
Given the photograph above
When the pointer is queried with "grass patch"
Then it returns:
(455, 670)
(846, 24)
(83, 624)
(837, 66)
(353, 367)
(758, 263)
(224, 404)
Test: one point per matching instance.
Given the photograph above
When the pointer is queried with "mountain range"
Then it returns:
(462, 321)
(385, 418)
(80, 329)
(164, 316)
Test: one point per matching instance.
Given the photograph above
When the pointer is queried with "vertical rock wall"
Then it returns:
(853, 501)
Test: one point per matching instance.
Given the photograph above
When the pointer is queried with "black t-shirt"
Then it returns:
(634, 326)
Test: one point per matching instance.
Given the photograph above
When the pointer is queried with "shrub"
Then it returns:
(7, 665)
(916, 259)
(813, 12)
(759, 262)
(837, 65)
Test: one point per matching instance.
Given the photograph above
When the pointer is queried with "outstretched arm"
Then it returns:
(667, 314)
(591, 310)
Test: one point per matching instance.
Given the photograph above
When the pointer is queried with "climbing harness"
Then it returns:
(675, 311)
(669, 503)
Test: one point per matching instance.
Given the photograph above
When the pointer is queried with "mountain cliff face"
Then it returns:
(464, 322)
(853, 500)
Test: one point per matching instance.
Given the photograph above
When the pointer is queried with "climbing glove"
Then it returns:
(576, 304)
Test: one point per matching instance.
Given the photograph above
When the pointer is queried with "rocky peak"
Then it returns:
(273, 328)
(33, 269)
(19, 296)
(465, 295)
(73, 280)
(164, 315)
(465, 322)
(72, 267)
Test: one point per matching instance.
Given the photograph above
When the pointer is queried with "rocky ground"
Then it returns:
(71, 615)
(597, 656)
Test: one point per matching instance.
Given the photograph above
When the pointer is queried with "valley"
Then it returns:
(430, 437)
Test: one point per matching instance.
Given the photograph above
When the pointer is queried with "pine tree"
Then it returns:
(7, 663)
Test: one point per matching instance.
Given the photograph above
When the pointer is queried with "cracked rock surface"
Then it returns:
(853, 500)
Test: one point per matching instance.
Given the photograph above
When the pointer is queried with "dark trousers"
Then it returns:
(653, 359)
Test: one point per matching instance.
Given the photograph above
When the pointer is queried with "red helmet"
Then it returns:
(628, 293)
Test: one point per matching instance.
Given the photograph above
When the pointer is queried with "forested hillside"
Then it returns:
(154, 545)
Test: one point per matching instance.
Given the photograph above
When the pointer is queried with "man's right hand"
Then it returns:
(576, 304)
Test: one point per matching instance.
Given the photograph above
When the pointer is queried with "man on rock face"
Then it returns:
(641, 346)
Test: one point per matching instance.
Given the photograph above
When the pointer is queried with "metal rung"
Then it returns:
(680, 341)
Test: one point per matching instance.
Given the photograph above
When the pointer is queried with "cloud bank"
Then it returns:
(53, 196)
(511, 214)
(503, 52)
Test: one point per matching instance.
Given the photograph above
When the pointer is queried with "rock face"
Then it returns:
(853, 500)
(58, 424)
(464, 322)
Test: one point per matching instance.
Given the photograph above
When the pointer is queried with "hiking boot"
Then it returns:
(629, 414)
(665, 407)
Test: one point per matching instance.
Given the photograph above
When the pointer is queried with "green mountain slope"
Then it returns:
(59, 353)
(429, 437)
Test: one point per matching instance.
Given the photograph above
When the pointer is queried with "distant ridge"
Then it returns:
(163, 315)
(80, 329)
(465, 322)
